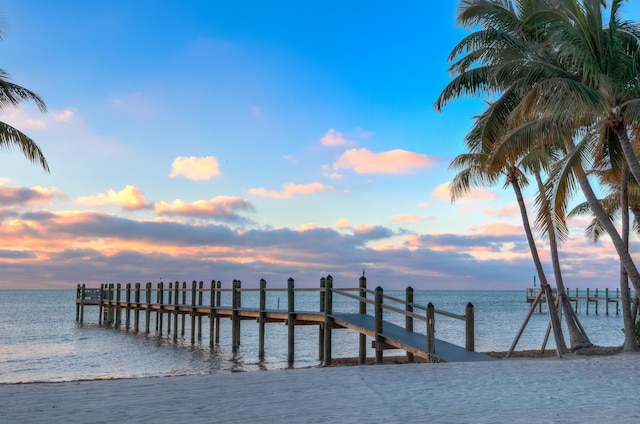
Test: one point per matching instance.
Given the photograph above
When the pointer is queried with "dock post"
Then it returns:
(127, 322)
(218, 303)
(378, 324)
(469, 320)
(431, 314)
(328, 306)
(234, 317)
(147, 314)
(80, 307)
(136, 311)
(291, 338)
(606, 301)
(112, 307)
(77, 303)
(262, 319)
(212, 302)
(193, 312)
(159, 312)
(576, 308)
(169, 302)
(118, 309)
(200, 289)
(408, 320)
(176, 315)
(100, 306)
(184, 302)
(321, 327)
(596, 297)
(362, 345)
(587, 301)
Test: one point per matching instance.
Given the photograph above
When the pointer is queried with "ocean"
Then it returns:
(40, 340)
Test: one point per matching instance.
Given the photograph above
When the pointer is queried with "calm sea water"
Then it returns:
(40, 340)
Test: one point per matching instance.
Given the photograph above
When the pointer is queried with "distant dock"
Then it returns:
(169, 308)
(588, 296)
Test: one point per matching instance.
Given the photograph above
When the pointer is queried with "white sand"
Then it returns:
(581, 390)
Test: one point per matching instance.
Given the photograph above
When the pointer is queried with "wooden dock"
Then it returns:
(587, 296)
(169, 309)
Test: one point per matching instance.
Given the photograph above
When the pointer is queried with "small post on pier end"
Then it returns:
(176, 315)
(469, 320)
(81, 310)
(184, 302)
(606, 301)
(378, 324)
(431, 314)
(362, 345)
(78, 298)
(262, 319)
(101, 307)
(170, 303)
(234, 317)
(160, 302)
(408, 320)
(328, 319)
(291, 322)
(118, 309)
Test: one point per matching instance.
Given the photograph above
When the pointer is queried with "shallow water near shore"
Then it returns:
(40, 340)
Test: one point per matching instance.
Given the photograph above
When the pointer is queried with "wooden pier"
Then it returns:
(168, 308)
(587, 296)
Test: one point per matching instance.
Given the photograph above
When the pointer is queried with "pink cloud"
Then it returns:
(343, 223)
(26, 196)
(129, 198)
(334, 138)
(289, 190)
(222, 207)
(406, 218)
(195, 168)
(397, 161)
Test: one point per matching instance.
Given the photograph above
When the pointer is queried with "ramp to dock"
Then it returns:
(416, 343)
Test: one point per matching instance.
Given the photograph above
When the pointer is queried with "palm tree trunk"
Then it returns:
(605, 221)
(553, 313)
(577, 338)
(627, 150)
(629, 324)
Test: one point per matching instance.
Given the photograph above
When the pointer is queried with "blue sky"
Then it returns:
(223, 140)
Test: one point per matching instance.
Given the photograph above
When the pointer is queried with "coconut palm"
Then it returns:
(12, 95)
(524, 49)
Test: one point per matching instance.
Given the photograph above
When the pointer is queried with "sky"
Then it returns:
(216, 140)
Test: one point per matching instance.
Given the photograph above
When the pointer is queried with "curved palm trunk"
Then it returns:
(553, 313)
(603, 218)
(627, 150)
(577, 338)
(629, 324)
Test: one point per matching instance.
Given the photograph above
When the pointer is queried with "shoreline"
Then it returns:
(516, 391)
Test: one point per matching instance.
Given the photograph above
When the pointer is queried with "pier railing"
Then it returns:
(587, 296)
(175, 304)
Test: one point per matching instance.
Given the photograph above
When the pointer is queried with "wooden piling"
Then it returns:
(184, 302)
(100, 307)
(148, 309)
(79, 295)
(118, 310)
(321, 327)
(378, 324)
(218, 300)
(235, 319)
(169, 302)
(431, 314)
(262, 319)
(362, 342)
(212, 314)
(176, 317)
(160, 302)
(469, 320)
(200, 288)
(328, 320)
(136, 311)
(193, 312)
(127, 323)
(408, 320)
(290, 324)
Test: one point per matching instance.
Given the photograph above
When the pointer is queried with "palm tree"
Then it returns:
(528, 50)
(12, 95)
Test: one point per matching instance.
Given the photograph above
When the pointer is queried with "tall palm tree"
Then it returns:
(524, 49)
(12, 95)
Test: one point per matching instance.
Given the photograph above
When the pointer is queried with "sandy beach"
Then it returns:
(579, 389)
